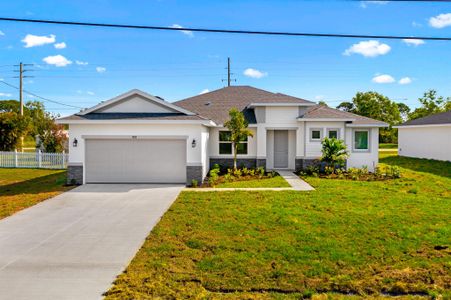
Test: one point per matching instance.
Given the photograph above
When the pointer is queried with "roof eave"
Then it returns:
(324, 119)
(367, 125)
(208, 123)
(422, 125)
(284, 104)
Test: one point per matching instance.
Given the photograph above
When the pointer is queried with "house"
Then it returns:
(428, 137)
(137, 137)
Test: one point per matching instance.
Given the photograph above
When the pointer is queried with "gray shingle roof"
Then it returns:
(440, 118)
(324, 112)
(215, 105)
(132, 116)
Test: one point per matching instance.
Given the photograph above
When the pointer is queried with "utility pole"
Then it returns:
(21, 77)
(229, 73)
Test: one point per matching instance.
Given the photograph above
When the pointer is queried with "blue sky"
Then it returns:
(96, 64)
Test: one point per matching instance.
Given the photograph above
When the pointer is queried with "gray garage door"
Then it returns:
(135, 161)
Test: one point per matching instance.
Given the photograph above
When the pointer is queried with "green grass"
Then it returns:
(273, 182)
(22, 188)
(388, 146)
(347, 239)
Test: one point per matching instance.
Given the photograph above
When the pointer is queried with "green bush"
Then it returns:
(194, 183)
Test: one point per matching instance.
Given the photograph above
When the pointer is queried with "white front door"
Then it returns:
(280, 148)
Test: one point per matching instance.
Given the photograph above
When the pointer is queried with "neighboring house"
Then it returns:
(428, 137)
(137, 137)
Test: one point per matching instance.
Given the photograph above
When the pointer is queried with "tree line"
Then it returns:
(35, 122)
(377, 106)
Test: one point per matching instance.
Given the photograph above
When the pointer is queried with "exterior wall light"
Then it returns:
(75, 143)
(193, 144)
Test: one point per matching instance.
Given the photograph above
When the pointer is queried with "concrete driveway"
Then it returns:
(74, 245)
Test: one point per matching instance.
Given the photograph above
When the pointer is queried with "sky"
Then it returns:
(82, 66)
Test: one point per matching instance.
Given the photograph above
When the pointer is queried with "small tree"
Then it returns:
(334, 152)
(237, 125)
(12, 127)
(54, 139)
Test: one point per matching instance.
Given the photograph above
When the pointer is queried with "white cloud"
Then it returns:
(253, 73)
(81, 63)
(204, 91)
(186, 32)
(413, 42)
(100, 69)
(405, 80)
(61, 45)
(36, 40)
(416, 24)
(371, 48)
(5, 95)
(90, 93)
(384, 78)
(363, 4)
(2, 33)
(57, 60)
(440, 21)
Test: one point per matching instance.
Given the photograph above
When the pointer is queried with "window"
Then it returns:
(333, 133)
(361, 140)
(225, 145)
(315, 134)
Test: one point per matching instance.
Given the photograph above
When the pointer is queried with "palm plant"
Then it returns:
(334, 152)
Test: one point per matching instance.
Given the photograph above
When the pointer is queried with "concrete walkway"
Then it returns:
(74, 245)
(296, 183)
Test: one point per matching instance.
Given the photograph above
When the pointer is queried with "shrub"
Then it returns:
(312, 169)
(260, 171)
(237, 173)
(333, 152)
(228, 177)
(214, 176)
(194, 183)
(394, 172)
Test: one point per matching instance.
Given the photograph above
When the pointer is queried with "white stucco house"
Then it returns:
(428, 137)
(138, 138)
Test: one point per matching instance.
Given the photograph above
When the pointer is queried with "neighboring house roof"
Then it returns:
(325, 112)
(436, 119)
(215, 105)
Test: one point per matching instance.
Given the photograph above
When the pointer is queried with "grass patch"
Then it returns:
(273, 182)
(347, 239)
(22, 188)
(388, 146)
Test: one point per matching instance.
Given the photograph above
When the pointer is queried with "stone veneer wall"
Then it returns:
(194, 173)
(241, 162)
(74, 174)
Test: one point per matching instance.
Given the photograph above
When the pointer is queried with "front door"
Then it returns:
(281, 149)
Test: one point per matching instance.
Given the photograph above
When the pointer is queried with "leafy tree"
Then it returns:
(346, 106)
(12, 127)
(404, 110)
(334, 152)
(376, 106)
(431, 104)
(237, 125)
(323, 103)
(54, 139)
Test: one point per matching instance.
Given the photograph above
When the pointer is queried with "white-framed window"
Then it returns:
(316, 134)
(225, 145)
(361, 140)
(333, 133)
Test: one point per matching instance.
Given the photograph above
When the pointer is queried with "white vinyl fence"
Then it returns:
(36, 159)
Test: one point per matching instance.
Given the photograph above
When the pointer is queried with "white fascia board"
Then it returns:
(420, 126)
(279, 104)
(366, 125)
(140, 93)
(324, 120)
(207, 123)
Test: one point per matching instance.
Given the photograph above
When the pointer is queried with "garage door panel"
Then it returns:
(135, 161)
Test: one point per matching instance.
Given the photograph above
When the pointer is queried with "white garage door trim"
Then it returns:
(128, 159)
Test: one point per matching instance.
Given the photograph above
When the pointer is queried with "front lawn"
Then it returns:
(346, 238)
(21, 188)
(272, 182)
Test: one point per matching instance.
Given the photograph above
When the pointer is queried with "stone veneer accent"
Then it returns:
(194, 172)
(74, 174)
(304, 163)
(228, 162)
(261, 162)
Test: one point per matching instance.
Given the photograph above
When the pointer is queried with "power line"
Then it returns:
(230, 31)
(40, 97)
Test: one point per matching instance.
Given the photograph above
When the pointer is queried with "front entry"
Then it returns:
(280, 148)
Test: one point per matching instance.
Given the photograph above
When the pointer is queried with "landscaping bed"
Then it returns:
(349, 239)
(381, 173)
(242, 178)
